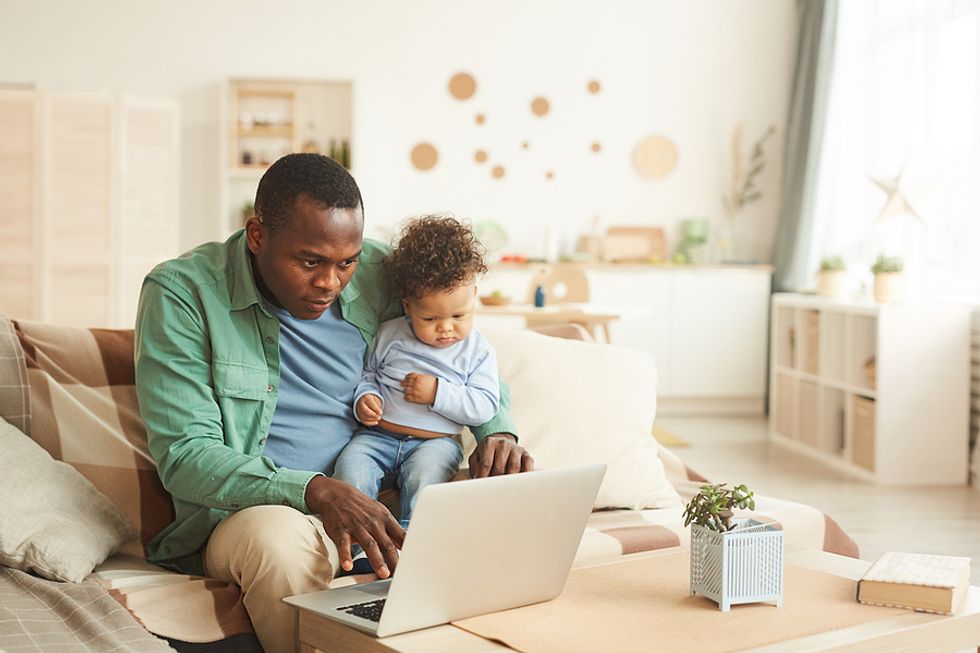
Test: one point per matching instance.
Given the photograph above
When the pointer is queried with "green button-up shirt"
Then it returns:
(207, 379)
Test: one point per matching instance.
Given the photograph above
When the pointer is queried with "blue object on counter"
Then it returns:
(539, 297)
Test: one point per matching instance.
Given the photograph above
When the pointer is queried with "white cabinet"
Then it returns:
(879, 391)
(88, 203)
(705, 326)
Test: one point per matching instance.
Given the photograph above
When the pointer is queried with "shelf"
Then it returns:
(265, 132)
(829, 383)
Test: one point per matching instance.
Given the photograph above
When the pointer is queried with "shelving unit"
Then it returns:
(264, 120)
(879, 391)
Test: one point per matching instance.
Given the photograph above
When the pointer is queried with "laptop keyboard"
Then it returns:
(370, 610)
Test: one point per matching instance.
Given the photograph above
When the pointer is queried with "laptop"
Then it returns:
(474, 547)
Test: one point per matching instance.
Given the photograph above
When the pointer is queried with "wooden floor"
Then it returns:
(943, 520)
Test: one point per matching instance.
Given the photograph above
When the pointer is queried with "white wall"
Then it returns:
(689, 69)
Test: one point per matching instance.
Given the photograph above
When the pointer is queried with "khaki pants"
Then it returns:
(272, 552)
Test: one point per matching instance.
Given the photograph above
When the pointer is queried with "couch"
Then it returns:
(72, 391)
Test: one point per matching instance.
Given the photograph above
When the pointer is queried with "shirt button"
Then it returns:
(286, 503)
(269, 339)
(262, 441)
(268, 388)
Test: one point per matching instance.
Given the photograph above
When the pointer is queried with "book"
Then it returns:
(929, 583)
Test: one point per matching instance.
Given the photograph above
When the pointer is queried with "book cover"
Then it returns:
(930, 583)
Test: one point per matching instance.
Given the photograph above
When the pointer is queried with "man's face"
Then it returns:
(304, 265)
(442, 318)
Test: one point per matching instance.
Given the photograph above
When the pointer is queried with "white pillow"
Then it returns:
(576, 403)
(52, 520)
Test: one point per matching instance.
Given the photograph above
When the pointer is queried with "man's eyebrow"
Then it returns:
(307, 253)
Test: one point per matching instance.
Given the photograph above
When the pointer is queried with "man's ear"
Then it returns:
(254, 235)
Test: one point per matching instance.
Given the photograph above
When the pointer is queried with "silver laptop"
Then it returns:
(473, 547)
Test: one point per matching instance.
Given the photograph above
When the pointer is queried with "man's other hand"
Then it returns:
(349, 516)
(368, 410)
(499, 454)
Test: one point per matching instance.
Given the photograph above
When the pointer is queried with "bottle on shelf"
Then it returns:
(539, 297)
(332, 152)
(344, 154)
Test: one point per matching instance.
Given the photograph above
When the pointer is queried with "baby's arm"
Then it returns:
(477, 401)
(368, 402)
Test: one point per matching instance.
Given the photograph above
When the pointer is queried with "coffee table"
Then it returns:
(907, 631)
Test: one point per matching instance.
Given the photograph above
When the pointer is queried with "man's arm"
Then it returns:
(184, 425)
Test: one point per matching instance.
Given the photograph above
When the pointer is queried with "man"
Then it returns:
(247, 356)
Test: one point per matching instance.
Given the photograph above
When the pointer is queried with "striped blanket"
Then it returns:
(72, 390)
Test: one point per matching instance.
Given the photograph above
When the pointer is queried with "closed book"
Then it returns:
(930, 583)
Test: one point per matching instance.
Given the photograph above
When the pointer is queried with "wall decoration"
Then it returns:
(655, 157)
(424, 156)
(462, 86)
(480, 156)
(540, 106)
(497, 172)
(897, 202)
(549, 175)
(596, 147)
(480, 119)
(594, 86)
(525, 145)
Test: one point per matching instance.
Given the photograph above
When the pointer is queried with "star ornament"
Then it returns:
(897, 202)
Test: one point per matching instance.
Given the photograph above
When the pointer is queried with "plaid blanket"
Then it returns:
(72, 390)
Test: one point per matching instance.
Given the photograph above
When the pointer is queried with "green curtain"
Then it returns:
(794, 258)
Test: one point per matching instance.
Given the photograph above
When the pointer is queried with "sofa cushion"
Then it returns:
(576, 403)
(52, 520)
(84, 412)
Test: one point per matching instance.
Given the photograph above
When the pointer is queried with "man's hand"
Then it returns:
(499, 454)
(350, 516)
(368, 410)
(420, 388)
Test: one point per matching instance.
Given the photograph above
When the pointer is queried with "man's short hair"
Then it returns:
(318, 176)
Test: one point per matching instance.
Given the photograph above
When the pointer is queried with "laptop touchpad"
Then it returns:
(377, 588)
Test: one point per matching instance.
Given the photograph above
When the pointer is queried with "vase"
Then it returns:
(890, 287)
(831, 283)
(743, 565)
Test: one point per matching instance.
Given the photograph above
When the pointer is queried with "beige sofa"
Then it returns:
(71, 390)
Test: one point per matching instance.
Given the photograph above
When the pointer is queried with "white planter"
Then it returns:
(831, 283)
(744, 565)
(890, 287)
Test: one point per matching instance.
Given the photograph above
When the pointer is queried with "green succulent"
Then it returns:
(832, 264)
(713, 507)
(887, 264)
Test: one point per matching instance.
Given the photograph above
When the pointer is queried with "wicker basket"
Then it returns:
(744, 565)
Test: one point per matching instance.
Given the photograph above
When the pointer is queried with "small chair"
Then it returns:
(565, 285)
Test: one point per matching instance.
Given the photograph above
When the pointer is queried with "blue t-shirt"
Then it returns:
(320, 364)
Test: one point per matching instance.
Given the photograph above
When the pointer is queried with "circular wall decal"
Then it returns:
(480, 156)
(549, 175)
(540, 106)
(480, 118)
(525, 145)
(424, 156)
(596, 147)
(594, 86)
(462, 86)
(655, 157)
(497, 172)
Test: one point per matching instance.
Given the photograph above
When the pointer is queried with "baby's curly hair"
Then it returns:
(434, 252)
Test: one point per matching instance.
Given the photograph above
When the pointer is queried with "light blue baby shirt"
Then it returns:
(468, 393)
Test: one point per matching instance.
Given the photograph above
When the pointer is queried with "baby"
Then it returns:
(430, 372)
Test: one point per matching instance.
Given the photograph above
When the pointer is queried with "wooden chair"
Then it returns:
(565, 285)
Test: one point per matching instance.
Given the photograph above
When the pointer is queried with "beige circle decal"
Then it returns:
(462, 86)
(480, 118)
(655, 157)
(596, 147)
(594, 86)
(424, 156)
(480, 156)
(540, 106)
(498, 171)
(525, 145)
(549, 175)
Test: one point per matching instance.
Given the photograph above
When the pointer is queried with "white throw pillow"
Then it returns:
(576, 403)
(52, 520)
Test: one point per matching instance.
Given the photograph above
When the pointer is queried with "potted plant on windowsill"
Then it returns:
(889, 279)
(732, 560)
(832, 276)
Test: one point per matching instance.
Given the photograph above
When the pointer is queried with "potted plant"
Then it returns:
(732, 560)
(832, 276)
(889, 279)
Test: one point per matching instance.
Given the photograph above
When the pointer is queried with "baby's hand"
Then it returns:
(368, 410)
(420, 388)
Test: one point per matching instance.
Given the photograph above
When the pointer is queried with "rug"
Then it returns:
(668, 439)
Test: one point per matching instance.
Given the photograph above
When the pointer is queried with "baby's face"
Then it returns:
(442, 318)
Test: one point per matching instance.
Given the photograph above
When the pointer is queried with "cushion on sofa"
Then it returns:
(52, 520)
(84, 412)
(576, 403)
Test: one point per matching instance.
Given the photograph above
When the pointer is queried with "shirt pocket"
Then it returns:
(240, 381)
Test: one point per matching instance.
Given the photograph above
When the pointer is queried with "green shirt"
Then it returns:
(207, 378)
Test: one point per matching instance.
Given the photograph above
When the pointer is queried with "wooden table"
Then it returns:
(908, 631)
(590, 316)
